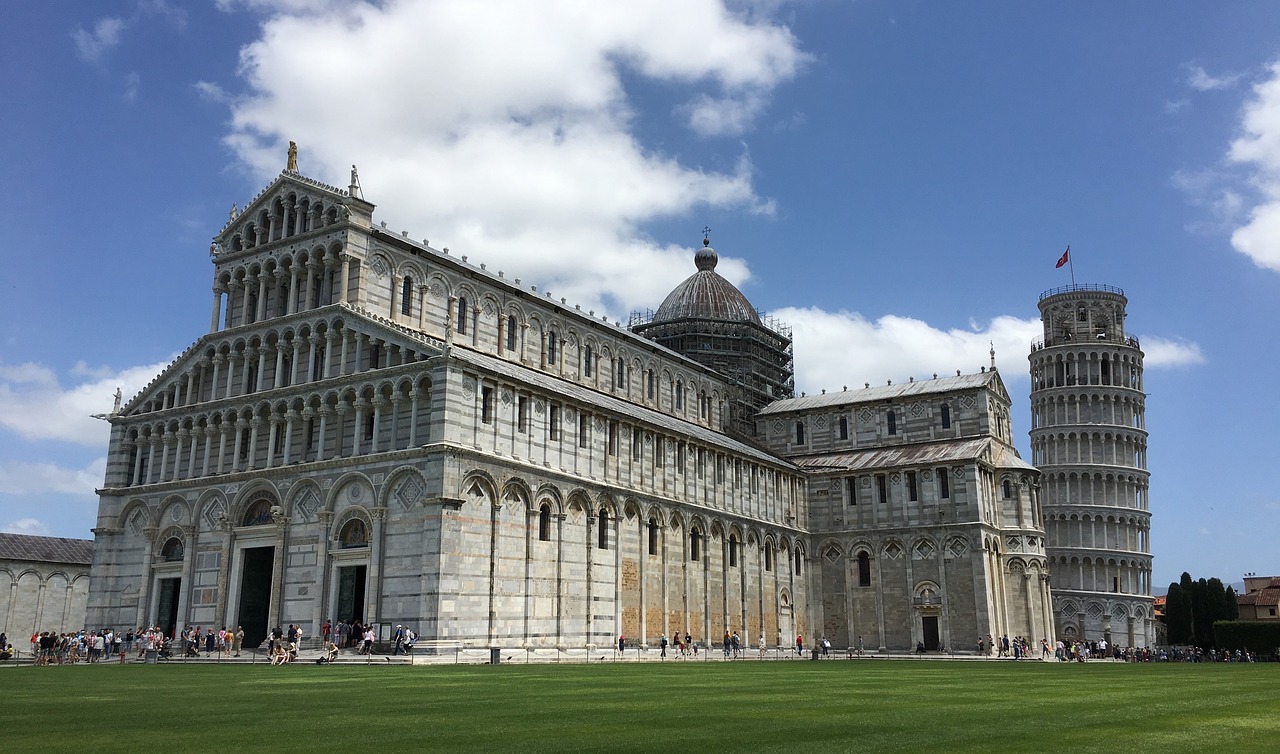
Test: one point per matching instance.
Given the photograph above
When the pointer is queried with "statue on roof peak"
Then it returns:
(292, 165)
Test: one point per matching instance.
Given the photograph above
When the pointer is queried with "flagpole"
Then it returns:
(1072, 263)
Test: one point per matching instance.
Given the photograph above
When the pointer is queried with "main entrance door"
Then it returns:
(253, 611)
(930, 625)
(350, 605)
(167, 609)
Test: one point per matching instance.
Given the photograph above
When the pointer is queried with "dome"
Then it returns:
(706, 295)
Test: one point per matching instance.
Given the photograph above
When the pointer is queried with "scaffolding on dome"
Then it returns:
(756, 359)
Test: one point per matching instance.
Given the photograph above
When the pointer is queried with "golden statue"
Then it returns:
(292, 166)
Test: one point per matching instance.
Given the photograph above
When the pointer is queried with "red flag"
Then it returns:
(1066, 255)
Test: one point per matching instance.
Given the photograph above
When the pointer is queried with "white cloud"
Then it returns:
(1172, 107)
(211, 92)
(37, 406)
(92, 45)
(1258, 149)
(1201, 81)
(29, 526)
(723, 116)
(132, 83)
(834, 350)
(1165, 352)
(18, 478)
(504, 130)
(838, 349)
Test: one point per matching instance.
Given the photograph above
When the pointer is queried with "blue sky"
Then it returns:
(893, 179)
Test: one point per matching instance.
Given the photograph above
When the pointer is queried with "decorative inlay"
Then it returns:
(1095, 610)
(917, 410)
(137, 522)
(506, 397)
(379, 268)
(892, 551)
(895, 477)
(924, 550)
(214, 513)
(469, 387)
(307, 504)
(408, 491)
(539, 406)
(957, 548)
(178, 511)
(832, 553)
(436, 290)
(866, 415)
(821, 422)
(355, 492)
(777, 426)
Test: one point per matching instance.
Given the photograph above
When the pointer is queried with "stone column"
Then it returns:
(359, 428)
(292, 306)
(244, 303)
(136, 477)
(275, 378)
(262, 369)
(329, 340)
(342, 409)
(324, 418)
(209, 432)
(167, 439)
(374, 595)
(231, 373)
(272, 434)
(377, 404)
(217, 309)
(222, 445)
(180, 441)
(290, 416)
(231, 296)
(255, 425)
(322, 567)
(342, 363)
(346, 269)
(241, 425)
(312, 342)
(413, 417)
(396, 282)
(144, 588)
(422, 307)
(277, 567)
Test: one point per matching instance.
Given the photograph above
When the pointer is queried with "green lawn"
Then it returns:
(689, 707)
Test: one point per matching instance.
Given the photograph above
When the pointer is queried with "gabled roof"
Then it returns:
(917, 454)
(1267, 595)
(989, 379)
(46, 549)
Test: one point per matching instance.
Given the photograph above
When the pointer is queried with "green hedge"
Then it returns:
(1261, 637)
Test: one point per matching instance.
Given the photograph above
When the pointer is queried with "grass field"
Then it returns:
(688, 707)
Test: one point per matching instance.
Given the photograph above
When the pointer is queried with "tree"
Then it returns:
(1177, 613)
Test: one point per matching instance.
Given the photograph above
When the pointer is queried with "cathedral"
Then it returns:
(374, 429)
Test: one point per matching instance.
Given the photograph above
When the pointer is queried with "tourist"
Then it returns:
(663, 643)
(860, 646)
(330, 651)
(237, 640)
(799, 645)
(368, 641)
(622, 643)
(688, 644)
(726, 645)
(762, 646)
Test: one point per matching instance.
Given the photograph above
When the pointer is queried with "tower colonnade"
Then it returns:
(1089, 438)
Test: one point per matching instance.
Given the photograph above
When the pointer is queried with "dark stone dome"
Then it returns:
(706, 295)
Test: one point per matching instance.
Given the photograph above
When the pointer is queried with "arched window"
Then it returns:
(511, 332)
(588, 362)
(695, 545)
(354, 534)
(1008, 488)
(258, 513)
(733, 550)
(653, 537)
(798, 559)
(893, 423)
(172, 550)
(406, 296)
(462, 317)
(844, 428)
(864, 569)
(799, 433)
(946, 416)
(768, 558)
(544, 523)
(602, 536)
(553, 348)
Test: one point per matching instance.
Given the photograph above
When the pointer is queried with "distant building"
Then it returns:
(48, 585)
(1089, 438)
(374, 429)
(1261, 598)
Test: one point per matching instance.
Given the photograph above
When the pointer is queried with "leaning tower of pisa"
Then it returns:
(1089, 439)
